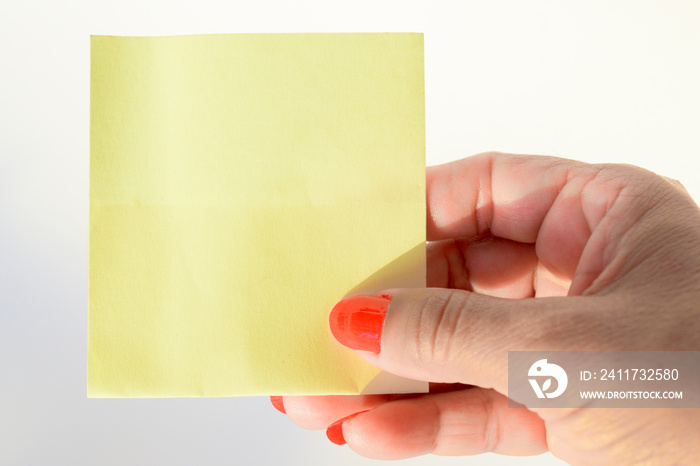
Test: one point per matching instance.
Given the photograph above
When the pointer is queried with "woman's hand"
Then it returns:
(612, 255)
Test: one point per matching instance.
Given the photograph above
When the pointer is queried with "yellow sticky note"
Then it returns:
(240, 185)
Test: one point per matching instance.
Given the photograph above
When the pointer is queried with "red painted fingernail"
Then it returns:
(357, 322)
(334, 432)
(278, 404)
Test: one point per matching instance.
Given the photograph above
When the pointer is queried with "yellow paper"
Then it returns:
(240, 185)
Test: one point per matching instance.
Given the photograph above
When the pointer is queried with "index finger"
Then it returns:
(506, 195)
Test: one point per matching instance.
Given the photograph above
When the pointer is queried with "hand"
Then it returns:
(612, 255)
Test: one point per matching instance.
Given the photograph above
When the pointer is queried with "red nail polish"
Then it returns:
(334, 432)
(357, 321)
(278, 404)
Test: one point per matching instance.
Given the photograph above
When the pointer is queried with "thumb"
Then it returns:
(456, 336)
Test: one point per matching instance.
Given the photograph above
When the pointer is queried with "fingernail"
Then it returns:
(334, 432)
(357, 322)
(278, 404)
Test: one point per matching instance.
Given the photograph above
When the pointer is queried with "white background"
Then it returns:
(599, 81)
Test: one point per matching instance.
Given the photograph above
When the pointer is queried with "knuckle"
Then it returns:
(642, 185)
(676, 184)
(442, 329)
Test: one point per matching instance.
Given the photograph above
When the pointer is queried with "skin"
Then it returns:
(612, 255)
